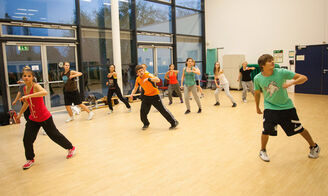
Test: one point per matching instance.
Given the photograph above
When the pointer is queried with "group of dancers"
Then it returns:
(278, 107)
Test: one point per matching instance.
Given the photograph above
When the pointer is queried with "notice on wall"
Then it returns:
(300, 57)
(291, 54)
(35, 67)
(278, 56)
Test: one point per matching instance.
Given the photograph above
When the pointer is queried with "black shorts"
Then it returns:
(287, 119)
(72, 97)
(197, 82)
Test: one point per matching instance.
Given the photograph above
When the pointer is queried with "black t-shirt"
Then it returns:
(246, 75)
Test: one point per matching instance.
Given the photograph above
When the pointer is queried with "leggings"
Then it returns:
(117, 91)
(226, 90)
(176, 88)
(193, 89)
(31, 131)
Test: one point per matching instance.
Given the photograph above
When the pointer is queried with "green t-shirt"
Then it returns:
(275, 96)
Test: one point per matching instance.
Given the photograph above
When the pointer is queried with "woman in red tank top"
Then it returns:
(39, 117)
(171, 76)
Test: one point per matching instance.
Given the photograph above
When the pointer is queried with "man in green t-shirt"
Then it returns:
(278, 107)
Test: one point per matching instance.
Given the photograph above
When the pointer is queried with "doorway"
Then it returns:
(157, 58)
(44, 59)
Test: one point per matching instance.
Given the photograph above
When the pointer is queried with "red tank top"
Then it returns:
(173, 79)
(39, 112)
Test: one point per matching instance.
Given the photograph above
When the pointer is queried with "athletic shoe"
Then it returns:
(110, 111)
(70, 153)
(129, 110)
(216, 104)
(76, 110)
(244, 100)
(145, 127)
(264, 156)
(91, 114)
(199, 110)
(174, 125)
(28, 164)
(187, 111)
(170, 102)
(202, 95)
(234, 105)
(71, 118)
(314, 151)
(181, 101)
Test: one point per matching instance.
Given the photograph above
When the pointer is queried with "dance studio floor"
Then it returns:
(212, 153)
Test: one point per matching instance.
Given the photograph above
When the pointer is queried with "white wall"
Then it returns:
(254, 27)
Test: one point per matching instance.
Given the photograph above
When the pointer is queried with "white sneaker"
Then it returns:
(264, 156)
(314, 152)
(71, 118)
(129, 109)
(110, 111)
(244, 100)
(91, 114)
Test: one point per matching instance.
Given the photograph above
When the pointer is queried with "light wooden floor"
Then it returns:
(213, 153)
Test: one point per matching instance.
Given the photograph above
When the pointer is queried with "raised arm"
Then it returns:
(298, 79)
(75, 74)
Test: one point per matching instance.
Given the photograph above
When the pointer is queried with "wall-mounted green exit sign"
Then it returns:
(23, 48)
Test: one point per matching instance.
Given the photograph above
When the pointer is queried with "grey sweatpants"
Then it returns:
(193, 89)
(247, 85)
(226, 90)
(176, 88)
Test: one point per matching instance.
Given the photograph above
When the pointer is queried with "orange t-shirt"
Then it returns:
(149, 87)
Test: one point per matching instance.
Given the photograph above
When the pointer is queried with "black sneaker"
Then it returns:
(170, 102)
(181, 101)
(187, 111)
(145, 127)
(174, 126)
(234, 105)
(199, 110)
(216, 104)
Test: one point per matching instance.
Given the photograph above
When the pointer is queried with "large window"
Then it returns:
(11, 30)
(194, 4)
(97, 13)
(128, 64)
(97, 55)
(52, 11)
(188, 22)
(154, 17)
(189, 47)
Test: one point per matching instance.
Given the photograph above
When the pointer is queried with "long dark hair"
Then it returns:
(113, 66)
(214, 69)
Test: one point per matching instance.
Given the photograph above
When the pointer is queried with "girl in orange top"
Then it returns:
(171, 76)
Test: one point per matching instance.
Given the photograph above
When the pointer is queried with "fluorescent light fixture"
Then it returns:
(126, 1)
(18, 16)
(43, 18)
(107, 4)
(87, 0)
(31, 10)
(21, 9)
(31, 14)
(19, 13)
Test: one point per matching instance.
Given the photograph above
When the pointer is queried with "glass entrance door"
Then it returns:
(157, 58)
(44, 60)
